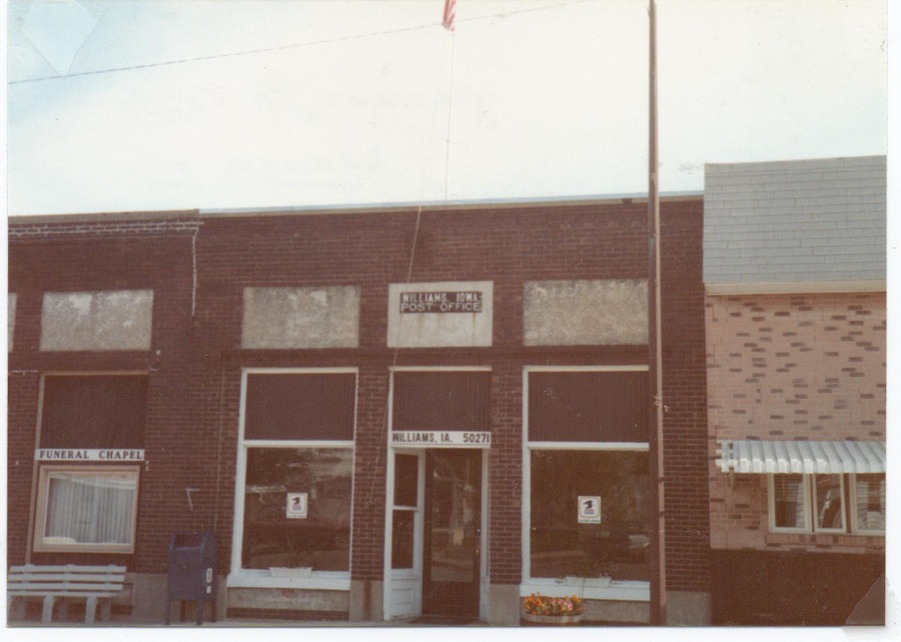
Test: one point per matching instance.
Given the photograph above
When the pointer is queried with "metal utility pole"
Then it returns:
(655, 358)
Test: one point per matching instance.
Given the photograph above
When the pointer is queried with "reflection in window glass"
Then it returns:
(788, 501)
(406, 479)
(870, 502)
(830, 507)
(402, 531)
(618, 546)
(321, 540)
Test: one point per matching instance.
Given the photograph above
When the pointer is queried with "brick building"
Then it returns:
(373, 408)
(794, 270)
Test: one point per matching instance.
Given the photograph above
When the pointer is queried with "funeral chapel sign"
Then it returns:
(440, 314)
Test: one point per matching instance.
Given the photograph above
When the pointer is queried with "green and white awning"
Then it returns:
(800, 457)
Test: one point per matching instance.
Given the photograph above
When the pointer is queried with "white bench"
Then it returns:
(95, 584)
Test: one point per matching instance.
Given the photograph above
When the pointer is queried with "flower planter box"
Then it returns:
(552, 611)
(552, 620)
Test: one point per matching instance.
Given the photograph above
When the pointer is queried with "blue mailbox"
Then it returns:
(192, 571)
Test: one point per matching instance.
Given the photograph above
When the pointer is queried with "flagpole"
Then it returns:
(657, 558)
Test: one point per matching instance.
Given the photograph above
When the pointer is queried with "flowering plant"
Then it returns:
(538, 604)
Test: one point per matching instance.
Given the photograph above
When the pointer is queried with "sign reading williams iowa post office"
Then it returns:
(450, 302)
(447, 314)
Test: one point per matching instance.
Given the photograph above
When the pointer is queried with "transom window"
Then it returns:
(94, 411)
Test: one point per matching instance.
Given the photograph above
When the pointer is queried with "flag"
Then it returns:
(448, 21)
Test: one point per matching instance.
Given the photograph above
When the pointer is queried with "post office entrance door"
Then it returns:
(453, 502)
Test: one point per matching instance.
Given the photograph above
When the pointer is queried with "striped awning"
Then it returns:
(805, 457)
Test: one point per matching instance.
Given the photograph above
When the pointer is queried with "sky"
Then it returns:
(295, 103)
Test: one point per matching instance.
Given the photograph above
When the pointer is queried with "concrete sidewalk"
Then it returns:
(127, 621)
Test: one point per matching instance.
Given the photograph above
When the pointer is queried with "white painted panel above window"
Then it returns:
(96, 321)
(440, 315)
(600, 312)
(301, 317)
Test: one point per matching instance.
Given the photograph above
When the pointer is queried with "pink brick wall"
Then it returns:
(800, 366)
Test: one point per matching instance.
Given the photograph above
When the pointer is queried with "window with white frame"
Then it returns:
(586, 468)
(403, 514)
(86, 509)
(822, 503)
(297, 460)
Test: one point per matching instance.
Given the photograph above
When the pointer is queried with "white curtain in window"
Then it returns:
(789, 501)
(90, 508)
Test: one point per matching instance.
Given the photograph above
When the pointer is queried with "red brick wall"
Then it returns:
(505, 474)
(22, 393)
(369, 472)
(685, 404)
(93, 257)
(195, 381)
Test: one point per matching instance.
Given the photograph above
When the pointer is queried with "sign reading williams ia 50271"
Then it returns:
(414, 302)
(441, 439)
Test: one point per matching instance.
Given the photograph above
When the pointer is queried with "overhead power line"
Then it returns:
(308, 43)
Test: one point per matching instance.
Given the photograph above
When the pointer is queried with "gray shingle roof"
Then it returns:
(806, 220)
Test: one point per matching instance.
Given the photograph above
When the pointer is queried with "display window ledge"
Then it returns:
(588, 588)
(827, 539)
(323, 580)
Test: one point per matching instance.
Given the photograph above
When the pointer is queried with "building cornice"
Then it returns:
(795, 287)
(371, 208)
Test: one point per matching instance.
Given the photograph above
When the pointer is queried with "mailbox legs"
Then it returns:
(198, 610)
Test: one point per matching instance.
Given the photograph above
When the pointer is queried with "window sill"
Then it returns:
(85, 549)
(825, 539)
(323, 581)
(627, 591)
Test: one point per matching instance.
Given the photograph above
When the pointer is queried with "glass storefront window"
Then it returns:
(563, 544)
(277, 533)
